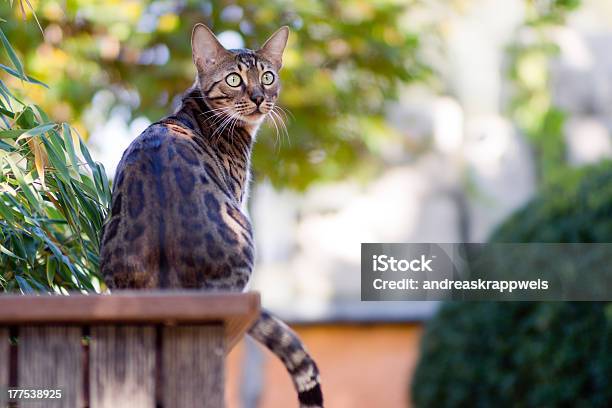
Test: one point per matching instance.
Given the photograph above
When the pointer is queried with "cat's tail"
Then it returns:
(286, 345)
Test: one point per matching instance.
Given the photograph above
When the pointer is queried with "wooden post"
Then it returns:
(146, 349)
(122, 366)
(5, 363)
(50, 358)
(189, 353)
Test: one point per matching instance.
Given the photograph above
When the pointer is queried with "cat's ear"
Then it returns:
(205, 48)
(273, 48)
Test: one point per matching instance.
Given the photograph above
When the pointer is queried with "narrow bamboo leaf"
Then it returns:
(69, 143)
(4, 250)
(102, 186)
(8, 95)
(35, 16)
(100, 180)
(24, 285)
(11, 133)
(40, 286)
(58, 143)
(14, 204)
(6, 147)
(86, 154)
(5, 210)
(57, 160)
(7, 113)
(19, 245)
(50, 269)
(37, 130)
(76, 138)
(88, 215)
(51, 245)
(69, 207)
(41, 113)
(26, 77)
(105, 184)
(40, 160)
(32, 195)
(88, 186)
(12, 55)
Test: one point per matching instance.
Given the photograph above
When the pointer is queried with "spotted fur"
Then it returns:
(177, 217)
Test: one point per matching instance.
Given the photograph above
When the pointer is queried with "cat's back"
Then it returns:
(156, 226)
(162, 167)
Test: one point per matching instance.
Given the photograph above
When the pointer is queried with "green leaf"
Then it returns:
(25, 77)
(5, 210)
(7, 95)
(9, 253)
(50, 271)
(86, 154)
(32, 196)
(68, 142)
(24, 285)
(36, 131)
(6, 147)
(26, 119)
(57, 158)
(12, 55)
(11, 133)
(7, 113)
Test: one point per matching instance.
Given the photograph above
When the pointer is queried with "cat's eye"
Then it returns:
(233, 80)
(267, 78)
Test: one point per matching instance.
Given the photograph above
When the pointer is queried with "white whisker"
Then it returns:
(284, 126)
(278, 140)
(285, 111)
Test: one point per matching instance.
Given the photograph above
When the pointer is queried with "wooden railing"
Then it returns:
(129, 349)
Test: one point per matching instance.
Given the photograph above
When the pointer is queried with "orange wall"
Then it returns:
(362, 366)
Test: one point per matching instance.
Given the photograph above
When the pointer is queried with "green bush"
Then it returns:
(545, 354)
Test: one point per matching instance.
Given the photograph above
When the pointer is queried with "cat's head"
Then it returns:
(241, 83)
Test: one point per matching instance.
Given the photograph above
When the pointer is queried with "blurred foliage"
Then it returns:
(344, 61)
(524, 353)
(516, 355)
(53, 197)
(575, 207)
(531, 107)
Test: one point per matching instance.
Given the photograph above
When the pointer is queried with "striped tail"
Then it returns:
(286, 345)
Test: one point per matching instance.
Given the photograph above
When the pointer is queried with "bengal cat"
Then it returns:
(178, 206)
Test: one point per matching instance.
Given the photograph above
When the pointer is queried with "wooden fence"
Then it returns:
(129, 349)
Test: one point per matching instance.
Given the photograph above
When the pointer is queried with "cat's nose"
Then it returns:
(257, 97)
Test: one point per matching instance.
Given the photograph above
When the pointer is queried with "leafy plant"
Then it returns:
(529, 354)
(53, 197)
